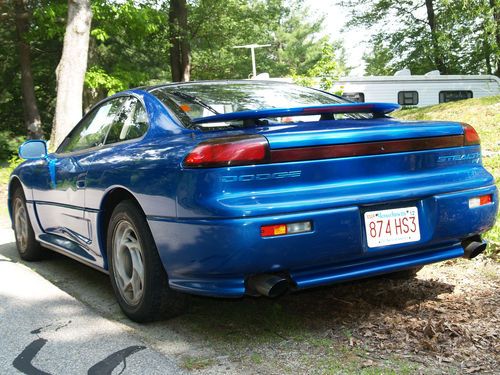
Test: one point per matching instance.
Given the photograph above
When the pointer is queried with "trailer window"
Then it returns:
(354, 96)
(408, 97)
(451, 96)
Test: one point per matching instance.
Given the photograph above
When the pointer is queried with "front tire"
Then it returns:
(28, 247)
(137, 274)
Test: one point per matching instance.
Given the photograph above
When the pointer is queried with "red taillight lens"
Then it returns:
(229, 151)
(470, 135)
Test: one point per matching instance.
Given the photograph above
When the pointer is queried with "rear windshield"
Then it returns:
(189, 101)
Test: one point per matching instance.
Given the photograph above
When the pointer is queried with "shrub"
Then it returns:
(9, 144)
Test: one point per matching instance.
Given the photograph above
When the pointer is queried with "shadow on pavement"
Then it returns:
(226, 322)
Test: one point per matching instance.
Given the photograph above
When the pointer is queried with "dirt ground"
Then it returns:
(444, 321)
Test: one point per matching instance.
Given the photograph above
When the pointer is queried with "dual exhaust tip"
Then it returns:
(270, 285)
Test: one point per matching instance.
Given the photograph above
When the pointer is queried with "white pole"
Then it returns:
(254, 68)
(252, 51)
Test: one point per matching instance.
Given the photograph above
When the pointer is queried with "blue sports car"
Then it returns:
(232, 188)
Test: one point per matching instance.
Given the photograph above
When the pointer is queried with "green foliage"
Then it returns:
(97, 78)
(216, 27)
(129, 47)
(9, 143)
(378, 59)
(45, 37)
(462, 40)
(327, 69)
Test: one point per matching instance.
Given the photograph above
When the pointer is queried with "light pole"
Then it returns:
(252, 51)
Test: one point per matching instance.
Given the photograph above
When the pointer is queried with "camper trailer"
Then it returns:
(417, 90)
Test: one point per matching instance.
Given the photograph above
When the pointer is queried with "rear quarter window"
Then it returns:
(131, 123)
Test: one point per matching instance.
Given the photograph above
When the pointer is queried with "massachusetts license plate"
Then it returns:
(390, 227)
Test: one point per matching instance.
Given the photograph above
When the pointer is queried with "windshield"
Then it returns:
(190, 101)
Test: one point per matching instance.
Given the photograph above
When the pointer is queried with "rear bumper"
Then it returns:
(214, 257)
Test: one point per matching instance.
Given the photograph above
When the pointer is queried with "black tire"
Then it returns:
(155, 300)
(408, 274)
(28, 247)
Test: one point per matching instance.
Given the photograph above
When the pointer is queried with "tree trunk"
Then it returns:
(71, 70)
(30, 108)
(495, 6)
(487, 58)
(436, 49)
(180, 50)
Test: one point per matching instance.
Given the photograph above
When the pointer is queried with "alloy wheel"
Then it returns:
(128, 263)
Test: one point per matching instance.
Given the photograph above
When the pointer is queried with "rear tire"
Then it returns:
(137, 274)
(28, 247)
(408, 274)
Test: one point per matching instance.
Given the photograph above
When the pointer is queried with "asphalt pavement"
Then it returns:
(44, 330)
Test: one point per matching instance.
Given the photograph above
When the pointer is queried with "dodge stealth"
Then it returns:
(233, 188)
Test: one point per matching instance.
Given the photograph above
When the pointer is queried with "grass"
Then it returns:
(4, 180)
(484, 115)
(264, 322)
(345, 360)
(196, 363)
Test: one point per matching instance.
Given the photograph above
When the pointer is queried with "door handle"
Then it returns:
(80, 181)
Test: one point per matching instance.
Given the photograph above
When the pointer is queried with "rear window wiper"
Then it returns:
(194, 100)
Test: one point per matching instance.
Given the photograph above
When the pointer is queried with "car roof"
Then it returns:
(211, 82)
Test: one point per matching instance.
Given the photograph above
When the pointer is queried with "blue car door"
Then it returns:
(60, 202)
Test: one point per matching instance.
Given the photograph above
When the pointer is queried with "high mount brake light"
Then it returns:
(470, 135)
(229, 151)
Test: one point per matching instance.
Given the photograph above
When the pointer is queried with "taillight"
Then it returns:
(470, 135)
(229, 151)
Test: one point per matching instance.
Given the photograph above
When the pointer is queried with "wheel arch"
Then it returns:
(14, 183)
(109, 201)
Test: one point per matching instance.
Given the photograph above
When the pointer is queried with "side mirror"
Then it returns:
(33, 149)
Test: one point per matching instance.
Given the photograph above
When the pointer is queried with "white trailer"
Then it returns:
(417, 90)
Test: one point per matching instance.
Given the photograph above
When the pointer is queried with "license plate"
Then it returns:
(390, 227)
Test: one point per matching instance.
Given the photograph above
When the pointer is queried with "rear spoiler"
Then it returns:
(375, 108)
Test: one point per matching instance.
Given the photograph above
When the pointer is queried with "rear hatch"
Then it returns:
(327, 164)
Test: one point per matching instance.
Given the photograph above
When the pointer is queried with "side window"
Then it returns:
(92, 130)
(451, 96)
(408, 97)
(131, 123)
(354, 96)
